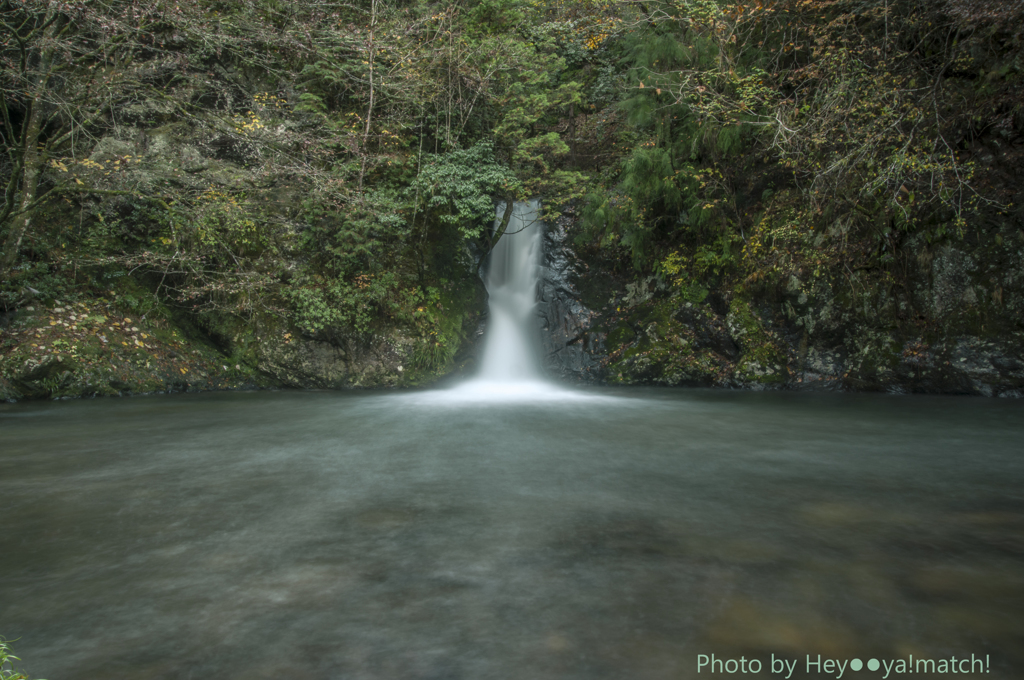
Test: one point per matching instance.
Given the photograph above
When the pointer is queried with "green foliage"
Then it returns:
(673, 270)
(355, 305)
(133, 297)
(333, 170)
(224, 228)
(651, 195)
(715, 258)
(439, 325)
(347, 237)
(663, 187)
(456, 189)
(529, 89)
(832, 99)
(35, 279)
(7, 659)
(495, 17)
(763, 357)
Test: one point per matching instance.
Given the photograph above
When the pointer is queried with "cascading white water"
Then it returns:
(510, 369)
(511, 350)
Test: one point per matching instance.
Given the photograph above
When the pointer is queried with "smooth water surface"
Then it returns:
(618, 534)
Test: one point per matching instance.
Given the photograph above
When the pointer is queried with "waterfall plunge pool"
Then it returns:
(613, 534)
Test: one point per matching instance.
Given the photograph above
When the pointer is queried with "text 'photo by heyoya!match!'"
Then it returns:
(837, 668)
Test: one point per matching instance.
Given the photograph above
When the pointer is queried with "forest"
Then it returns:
(274, 204)
(220, 193)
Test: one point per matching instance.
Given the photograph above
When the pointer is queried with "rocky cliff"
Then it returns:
(953, 325)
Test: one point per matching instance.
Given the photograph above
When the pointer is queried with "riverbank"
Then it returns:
(89, 349)
(93, 346)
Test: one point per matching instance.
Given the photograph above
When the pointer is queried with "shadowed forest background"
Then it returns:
(792, 193)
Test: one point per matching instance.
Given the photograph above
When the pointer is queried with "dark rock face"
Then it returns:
(964, 365)
(953, 328)
(570, 351)
(310, 363)
(709, 331)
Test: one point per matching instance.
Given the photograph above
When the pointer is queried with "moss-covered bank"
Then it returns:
(94, 347)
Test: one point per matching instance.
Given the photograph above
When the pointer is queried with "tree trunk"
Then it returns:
(32, 166)
(33, 158)
(572, 133)
(369, 108)
(498, 233)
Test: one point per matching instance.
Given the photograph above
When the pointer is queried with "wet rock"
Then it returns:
(326, 365)
(763, 361)
(709, 330)
(8, 392)
(570, 350)
(306, 363)
(970, 365)
(951, 281)
(820, 369)
(41, 380)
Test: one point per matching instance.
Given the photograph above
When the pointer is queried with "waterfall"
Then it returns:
(511, 352)
(510, 368)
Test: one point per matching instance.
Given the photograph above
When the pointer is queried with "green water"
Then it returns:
(372, 535)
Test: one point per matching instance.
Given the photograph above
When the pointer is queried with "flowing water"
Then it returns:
(512, 529)
(510, 355)
(510, 367)
(619, 535)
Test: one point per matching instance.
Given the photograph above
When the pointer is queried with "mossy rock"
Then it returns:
(874, 358)
(763, 357)
(8, 392)
(620, 334)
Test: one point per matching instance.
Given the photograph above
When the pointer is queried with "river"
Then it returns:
(598, 534)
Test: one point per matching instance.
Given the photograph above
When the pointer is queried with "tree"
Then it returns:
(63, 68)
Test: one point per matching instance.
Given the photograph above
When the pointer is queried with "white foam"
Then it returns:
(492, 392)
